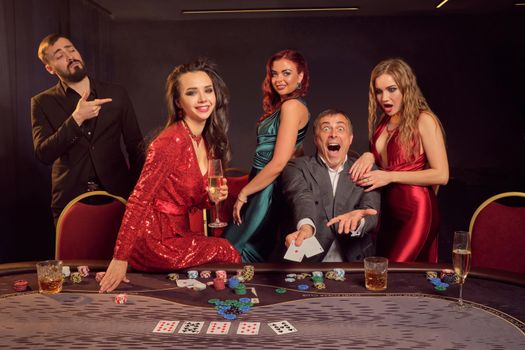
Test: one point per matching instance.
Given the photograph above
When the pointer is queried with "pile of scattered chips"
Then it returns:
(230, 309)
(439, 284)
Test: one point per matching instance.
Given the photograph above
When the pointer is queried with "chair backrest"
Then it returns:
(498, 233)
(237, 179)
(88, 226)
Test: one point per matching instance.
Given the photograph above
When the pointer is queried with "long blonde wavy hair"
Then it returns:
(413, 103)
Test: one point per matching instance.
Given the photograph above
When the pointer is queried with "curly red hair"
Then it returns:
(271, 99)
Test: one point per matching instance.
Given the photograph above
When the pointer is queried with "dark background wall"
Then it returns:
(470, 68)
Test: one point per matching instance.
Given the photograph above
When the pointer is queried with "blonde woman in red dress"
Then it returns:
(155, 235)
(407, 144)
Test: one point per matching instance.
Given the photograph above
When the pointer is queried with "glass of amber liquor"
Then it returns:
(376, 269)
(50, 277)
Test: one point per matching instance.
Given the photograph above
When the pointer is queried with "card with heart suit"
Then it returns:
(249, 328)
(216, 327)
(191, 327)
(164, 326)
(282, 327)
(294, 253)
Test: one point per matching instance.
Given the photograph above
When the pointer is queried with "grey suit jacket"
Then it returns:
(307, 188)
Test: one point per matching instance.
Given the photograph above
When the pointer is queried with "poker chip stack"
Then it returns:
(221, 274)
(449, 276)
(121, 299)
(240, 289)
(218, 283)
(66, 271)
(173, 276)
(248, 271)
(205, 274)
(76, 277)
(192, 274)
(318, 282)
(339, 274)
(20, 285)
(290, 277)
(233, 282)
(83, 271)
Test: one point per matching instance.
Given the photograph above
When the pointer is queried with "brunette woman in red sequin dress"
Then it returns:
(407, 143)
(155, 235)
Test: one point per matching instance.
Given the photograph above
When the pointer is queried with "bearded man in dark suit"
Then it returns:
(78, 126)
(325, 201)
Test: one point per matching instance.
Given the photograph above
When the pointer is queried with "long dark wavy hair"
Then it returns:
(216, 127)
(271, 99)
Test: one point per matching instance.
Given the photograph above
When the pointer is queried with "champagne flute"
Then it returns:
(461, 260)
(215, 176)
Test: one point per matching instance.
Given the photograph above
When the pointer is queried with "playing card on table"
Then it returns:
(282, 327)
(249, 328)
(294, 253)
(164, 326)
(311, 247)
(216, 327)
(191, 327)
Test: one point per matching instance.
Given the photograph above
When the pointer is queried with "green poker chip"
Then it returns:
(280, 290)
(213, 301)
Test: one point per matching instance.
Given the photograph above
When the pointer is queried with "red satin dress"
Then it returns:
(409, 213)
(155, 235)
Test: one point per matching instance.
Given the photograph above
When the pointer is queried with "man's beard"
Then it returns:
(75, 75)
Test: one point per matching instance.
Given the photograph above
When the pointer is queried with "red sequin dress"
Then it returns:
(409, 213)
(155, 235)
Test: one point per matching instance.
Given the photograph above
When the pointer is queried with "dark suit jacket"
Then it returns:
(59, 141)
(307, 188)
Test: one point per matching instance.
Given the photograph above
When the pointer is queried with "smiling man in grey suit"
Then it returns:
(325, 201)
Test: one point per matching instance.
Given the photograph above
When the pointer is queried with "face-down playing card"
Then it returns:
(282, 327)
(191, 327)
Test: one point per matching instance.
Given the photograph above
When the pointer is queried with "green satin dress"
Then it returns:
(256, 237)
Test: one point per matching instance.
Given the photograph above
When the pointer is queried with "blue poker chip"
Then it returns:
(230, 316)
(245, 300)
(302, 287)
(245, 308)
(435, 281)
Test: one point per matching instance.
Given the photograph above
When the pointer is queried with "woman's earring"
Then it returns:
(180, 114)
(299, 86)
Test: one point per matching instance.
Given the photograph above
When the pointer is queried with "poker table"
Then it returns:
(410, 314)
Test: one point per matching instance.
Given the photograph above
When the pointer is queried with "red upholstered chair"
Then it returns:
(237, 179)
(498, 233)
(198, 221)
(88, 226)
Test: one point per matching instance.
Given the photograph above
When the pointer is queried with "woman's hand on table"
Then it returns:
(115, 274)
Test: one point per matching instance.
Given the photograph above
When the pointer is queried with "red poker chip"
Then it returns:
(20, 285)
